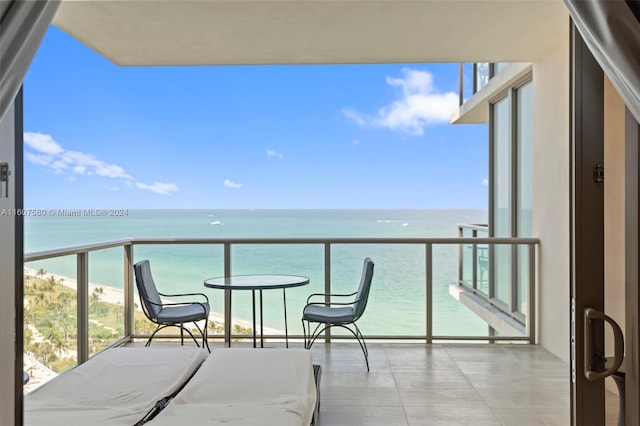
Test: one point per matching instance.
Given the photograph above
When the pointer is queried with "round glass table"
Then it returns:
(255, 283)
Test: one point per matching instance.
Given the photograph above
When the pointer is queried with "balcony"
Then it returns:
(472, 375)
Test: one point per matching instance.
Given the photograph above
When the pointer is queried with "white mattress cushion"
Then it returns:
(233, 415)
(247, 386)
(116, 387)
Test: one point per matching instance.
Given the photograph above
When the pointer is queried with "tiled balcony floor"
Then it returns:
(442, 384)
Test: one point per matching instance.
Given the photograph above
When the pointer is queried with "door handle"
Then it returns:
(4, 176)
(590, 315)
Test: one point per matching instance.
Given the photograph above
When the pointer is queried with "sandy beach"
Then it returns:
(116, 296)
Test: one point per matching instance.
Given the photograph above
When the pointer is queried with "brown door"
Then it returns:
(632, 258)
(587, 239)
(589, 321)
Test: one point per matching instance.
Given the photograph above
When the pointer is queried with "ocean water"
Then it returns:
(397, 299)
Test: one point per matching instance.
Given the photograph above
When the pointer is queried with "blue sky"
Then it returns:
(332, 136)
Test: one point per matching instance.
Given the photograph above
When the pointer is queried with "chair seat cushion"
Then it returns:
(186, 313)
(328, 315)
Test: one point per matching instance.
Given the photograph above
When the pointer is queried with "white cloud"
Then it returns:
(485, 182)
(59, 166)
(79, 170)
(39, 159)
(230, 184)
(272, 153)
(42, 143)
(360, 119)
(112, 171)
(47, 152)
(159, 187)
(356, 142)
(421, 105)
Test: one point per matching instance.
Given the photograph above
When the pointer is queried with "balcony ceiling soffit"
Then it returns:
(211, 32)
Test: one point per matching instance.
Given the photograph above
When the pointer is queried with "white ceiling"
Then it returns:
(188, 32)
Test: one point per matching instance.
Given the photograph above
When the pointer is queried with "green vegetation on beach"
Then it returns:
(50, 333)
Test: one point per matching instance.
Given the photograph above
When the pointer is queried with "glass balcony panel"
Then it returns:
(283, 259)
(523, 279)
(467, 258)
(483, 264)
(50, 318)
(450, 317)
(502, 272)
(396, 304)
(482, 74)
(106, 298)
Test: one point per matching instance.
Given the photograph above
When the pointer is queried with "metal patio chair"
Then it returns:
(174, 314)
(339, 314)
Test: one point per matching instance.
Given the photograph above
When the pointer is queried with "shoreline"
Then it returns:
(115, 296)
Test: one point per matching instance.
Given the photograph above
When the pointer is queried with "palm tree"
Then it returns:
(57, 341)
(42, 352)
(65, 299)
(95, 298)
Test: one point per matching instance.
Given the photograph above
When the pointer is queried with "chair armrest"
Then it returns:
(329, 304)
(185, 294)
(331, 295)
(177, 304)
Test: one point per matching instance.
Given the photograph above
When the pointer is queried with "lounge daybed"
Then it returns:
(116, 387)
(124, 386)
(247, 387)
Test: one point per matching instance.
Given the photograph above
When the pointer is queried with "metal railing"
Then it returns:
(82, 265)
(476, 273)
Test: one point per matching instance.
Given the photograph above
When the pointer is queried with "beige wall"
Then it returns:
(551, 221)
(614, 244)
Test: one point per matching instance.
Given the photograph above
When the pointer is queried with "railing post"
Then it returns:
(460, 256)
(513, 288)
(461, 83)
(82, 283)
(227, 296)
(327, 284)
(475, 77)
(129, 306)
(531, 297)
(474, 255)
(429, 292)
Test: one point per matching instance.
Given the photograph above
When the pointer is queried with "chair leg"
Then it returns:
(357, 333)
(313, 335)
(205, 335)
(158, 328)
(182, 334)
(363, 345)
(304, 335)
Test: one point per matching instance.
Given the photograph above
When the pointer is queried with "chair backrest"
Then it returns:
(147, 289)
(363, 290)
